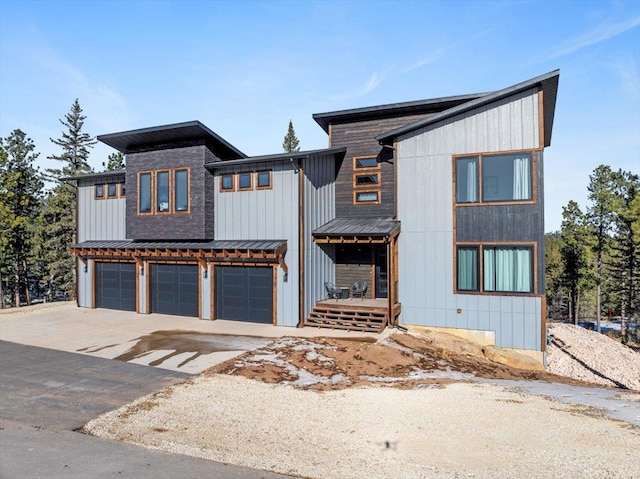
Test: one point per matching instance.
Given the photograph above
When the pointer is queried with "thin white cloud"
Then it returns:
(629, 73)
(374, 80)
(601, 33)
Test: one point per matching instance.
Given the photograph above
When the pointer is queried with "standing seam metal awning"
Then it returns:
(357, 230)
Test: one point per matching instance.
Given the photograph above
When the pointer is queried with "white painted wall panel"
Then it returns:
(266, 215)
(319, 209)
(425, 209)
(84, 284)
(100, 219)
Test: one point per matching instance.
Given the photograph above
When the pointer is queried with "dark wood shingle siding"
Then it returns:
(359, 138)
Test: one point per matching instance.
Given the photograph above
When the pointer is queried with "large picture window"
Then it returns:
(503, 269)
(494, 178)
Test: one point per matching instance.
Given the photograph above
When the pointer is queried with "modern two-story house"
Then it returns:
(437, 205)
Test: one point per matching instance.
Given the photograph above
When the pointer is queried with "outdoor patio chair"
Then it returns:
(333, 292)
(359, 289)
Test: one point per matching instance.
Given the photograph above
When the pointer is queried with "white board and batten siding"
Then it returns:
(319, 208)
(98, 219)
(270, 214)
(425, 209)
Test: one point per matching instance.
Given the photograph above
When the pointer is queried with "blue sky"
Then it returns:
(245, 68)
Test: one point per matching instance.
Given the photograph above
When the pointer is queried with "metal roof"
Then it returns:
(100, 174)
(125, 141)
(264, 245)
(277, 157)
(547, 82)
(433, 105)
(358, 227)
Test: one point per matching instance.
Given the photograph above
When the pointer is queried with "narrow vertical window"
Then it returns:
(123, 190)
(112, 190)
(244, 181)
(467, 268)
(162, 191)
(181, 182)
(144, 193)
(467, 180)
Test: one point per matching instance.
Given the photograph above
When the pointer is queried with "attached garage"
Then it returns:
(244, 293)
(174, 289)
(115, 286)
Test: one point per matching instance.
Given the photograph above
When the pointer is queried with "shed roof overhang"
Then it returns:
(158, 136)
(548, 83)
(296, 155)
(217, 251)
(357, 230)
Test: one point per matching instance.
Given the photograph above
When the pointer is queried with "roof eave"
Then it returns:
(547, 82)
(299, 155)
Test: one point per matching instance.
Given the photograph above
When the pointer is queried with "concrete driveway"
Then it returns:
(176, 343)
(46, 394)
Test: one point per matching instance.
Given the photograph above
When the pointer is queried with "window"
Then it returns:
(162, 192)
(99, 192)
(263, 180)
(226, 183)
(181, 190)
(112, 190)
(366, 180)
(144, 192)
(165, 191)
(123, 190)
(494, 178)
(506, 269)
(244, 181)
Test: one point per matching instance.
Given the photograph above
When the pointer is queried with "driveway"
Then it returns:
(46, 394)
(175, 343)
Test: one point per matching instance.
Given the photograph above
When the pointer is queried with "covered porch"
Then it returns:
(364, 249)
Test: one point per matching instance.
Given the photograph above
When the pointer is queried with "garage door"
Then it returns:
(174, 289)
(244, 293)
(116, 286)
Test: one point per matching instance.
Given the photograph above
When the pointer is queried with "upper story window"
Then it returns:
(168, 188)
(494, 178)
(366, 180)
(108, 191)
(246, 181)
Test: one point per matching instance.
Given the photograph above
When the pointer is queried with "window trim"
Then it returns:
(169, 189)
(481, 245)
(115, 194)
(233, 183)
(270, 185)
(122, 190)
(481, 202)
(173, 191)
(95, 192)
(360, 171)
(249, 175)
(151, 192)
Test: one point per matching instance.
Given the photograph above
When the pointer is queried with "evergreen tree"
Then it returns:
(115, 161)
(20, 190)
(57, 222)
(555, 291)
(291, 143)
(575, 237)
(601, 216)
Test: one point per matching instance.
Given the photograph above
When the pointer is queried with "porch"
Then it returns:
(353, 314)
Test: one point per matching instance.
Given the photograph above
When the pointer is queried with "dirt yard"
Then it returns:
(406, 407)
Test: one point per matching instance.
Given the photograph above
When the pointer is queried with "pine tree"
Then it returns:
(20, 190)
(291, 143)
(601, 216)
(574, 251)
(57, 222)
(115, 161)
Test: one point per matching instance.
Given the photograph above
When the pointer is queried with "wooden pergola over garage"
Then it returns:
(175, 277)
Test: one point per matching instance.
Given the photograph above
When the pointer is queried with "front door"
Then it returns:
(380, 257)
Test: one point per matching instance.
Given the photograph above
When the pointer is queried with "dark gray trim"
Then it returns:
(101, 174)
(433, 105)
(299, 155)
(219, 245)
(358, 227)
(126, 141)
(547, 82)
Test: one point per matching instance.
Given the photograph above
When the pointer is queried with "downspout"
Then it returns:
(301, 289)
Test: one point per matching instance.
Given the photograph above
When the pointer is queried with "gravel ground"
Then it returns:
(586, 355)
(447, 430)
(461, 430)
